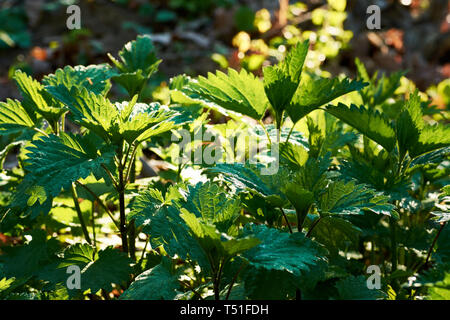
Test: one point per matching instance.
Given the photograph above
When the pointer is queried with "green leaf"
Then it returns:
(432, 137)
(347, 198)
(355, 288)
(436, 156)
(410, 123)
(240, 92)
(126, 120)
(137, 64)
(88, 109)
(55, 162)
(262, 284)
(137, 55)
(444, 205)
(281, 81)
(441, 289)
(98, 271)
(162, 221)
(380, 89)
(234, 247)
(212, 204)
(336, 234)
(78, 254)
(314, 93)
(301, 199)
(292, 253)
(94, 78)
(246, 177)
(143, 122)
(210, 214)
(37, 193)
(148, 203)
(131, 82)
(14, 117)
(309, 178)
(158, 283)
(112, 266)
(27, 260)
(293, 155)
(370, 123)
(36, 99)
(5, 284)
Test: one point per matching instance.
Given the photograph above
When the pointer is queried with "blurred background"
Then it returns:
(197, 36)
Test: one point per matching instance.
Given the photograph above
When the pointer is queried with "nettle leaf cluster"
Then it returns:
(361, 181)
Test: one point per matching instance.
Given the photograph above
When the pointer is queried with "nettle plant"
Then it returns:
(341, 200)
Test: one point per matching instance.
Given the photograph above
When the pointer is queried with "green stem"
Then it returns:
(99, 201)
(80, 214)
(41, 131)
(121, 192)
(143, 251)
(287, 221)
(55, 127)
(243, 265)
(131, 164)
(110, 176)
(301, 216)
(179, 172)
(279, 124)
(290, 132)
(265, 130)
(187, 285)
(93, 224)
(132, 239)
(63, 122)
(430, 250)
(313, 226)
(217, 280)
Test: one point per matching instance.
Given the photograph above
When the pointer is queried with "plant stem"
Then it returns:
(63, 122)
(55, 127)
(179, 172)
(41, 131)
(313, 226)
(110, 175)
(93, 224)
(143, 251)
(99, 201)
(4, 215)
(80, 214)
(290, 132)
(287, 221)
(217, 280)
(279, 124)
(131, 164)
(121, 192)
(433, 244)
(265, 130)
(301, 216)
(243, 265)
(132, 239)
(187, 285)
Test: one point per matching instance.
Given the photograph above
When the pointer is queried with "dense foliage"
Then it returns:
(362, 180)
